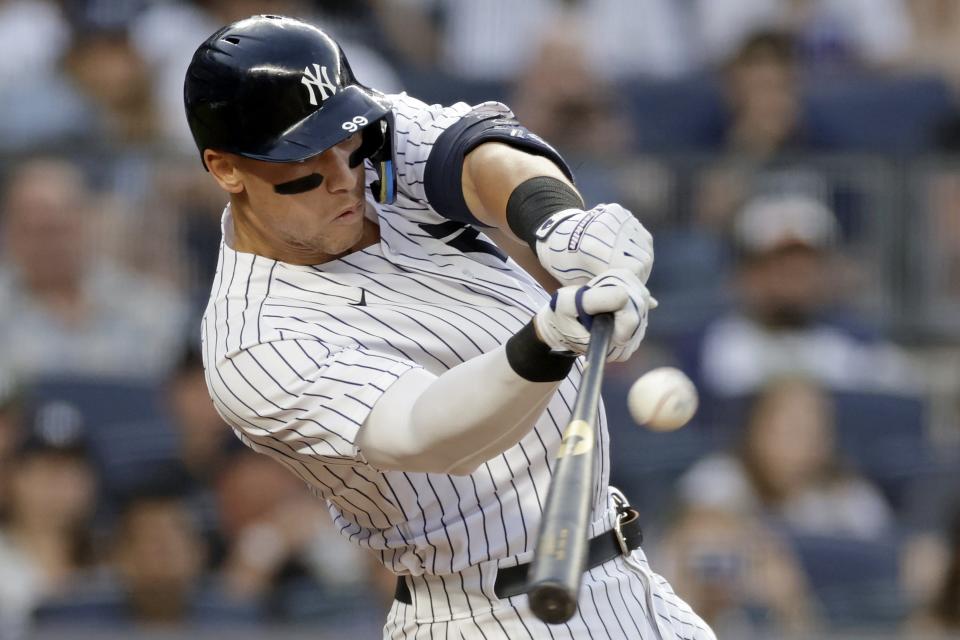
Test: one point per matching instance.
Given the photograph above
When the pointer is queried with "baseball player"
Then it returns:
(363, 331)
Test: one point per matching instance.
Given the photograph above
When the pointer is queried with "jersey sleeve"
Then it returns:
(418, 126)
(297, 399)
(432, 142)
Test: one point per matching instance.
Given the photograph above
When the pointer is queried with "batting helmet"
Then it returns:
(281, 90)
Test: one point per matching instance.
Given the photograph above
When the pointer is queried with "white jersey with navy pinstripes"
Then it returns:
(296, 357)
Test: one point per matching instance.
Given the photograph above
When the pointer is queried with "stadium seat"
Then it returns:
(855, 581)
(675, 115)
(880, 113)
(875, 112)
(885, 435)
(437, 87)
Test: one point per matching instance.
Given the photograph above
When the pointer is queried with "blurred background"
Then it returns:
(797, 163)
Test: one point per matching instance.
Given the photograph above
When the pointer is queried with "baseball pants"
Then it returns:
(621, 599)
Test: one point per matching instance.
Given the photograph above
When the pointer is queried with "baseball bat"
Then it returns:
(560, 557)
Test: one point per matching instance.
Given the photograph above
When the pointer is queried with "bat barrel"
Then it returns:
(561, 553)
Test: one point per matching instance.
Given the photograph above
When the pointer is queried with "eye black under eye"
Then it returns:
(299, 185)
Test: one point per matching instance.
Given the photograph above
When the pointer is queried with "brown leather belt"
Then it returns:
(512, 581)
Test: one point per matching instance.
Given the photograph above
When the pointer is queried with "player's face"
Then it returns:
(307, 211)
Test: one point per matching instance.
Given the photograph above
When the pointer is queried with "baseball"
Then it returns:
(663, 399)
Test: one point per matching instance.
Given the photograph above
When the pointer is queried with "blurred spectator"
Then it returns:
(33, 35)
(35, 105)
(736, 573)
(938, 247)
(561, 99)
(790, 285)
(205, 443)
(166, 34)
(160, 559)
(156, 578)
(786, 466)
(61, 310)
(113, 79)
(279, 536)
(762, 91)
(935, 46)
(942, 613)
(122, 136)
(491, 40)
(762, 131)
(10, 432)
(204, 437)
(45, 541)
(831, 33)
(192, 204)
(9, 423)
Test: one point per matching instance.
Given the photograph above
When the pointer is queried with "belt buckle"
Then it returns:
(618, 532)
(620, 501)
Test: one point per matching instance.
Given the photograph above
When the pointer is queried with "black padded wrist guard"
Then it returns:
(533, 360)
(535, 200)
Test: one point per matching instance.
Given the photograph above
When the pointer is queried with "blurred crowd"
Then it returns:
(795, 160)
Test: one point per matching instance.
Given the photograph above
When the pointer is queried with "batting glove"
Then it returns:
(575, 245)
(564, 324)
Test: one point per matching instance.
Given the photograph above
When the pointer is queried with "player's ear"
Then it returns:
(224, 170)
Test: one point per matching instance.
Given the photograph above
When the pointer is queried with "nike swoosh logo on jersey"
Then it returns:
(363, 299)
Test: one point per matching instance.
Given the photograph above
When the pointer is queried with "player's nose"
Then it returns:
(338, 174)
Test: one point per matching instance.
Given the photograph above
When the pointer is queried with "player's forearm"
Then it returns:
(492, 172)
(469, 414)
(528, 198)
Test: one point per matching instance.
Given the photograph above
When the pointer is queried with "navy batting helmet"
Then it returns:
(278, 89)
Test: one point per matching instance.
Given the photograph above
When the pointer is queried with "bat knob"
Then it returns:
(552, 602)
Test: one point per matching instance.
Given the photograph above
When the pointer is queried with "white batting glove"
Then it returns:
(576, 245)
(563, 325)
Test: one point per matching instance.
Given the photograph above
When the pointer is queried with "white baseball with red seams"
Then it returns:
(663, 399)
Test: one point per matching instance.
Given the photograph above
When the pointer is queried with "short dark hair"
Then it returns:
(164, 488)
(767, 45)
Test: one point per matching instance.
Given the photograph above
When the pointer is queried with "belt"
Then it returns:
(625, 536)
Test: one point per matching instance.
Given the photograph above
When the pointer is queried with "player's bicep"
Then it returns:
(297, 399)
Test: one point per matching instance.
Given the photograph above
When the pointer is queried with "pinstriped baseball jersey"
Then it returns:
(296, 357)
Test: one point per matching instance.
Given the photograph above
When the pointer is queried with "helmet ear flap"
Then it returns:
(377, 145)
(372, 142)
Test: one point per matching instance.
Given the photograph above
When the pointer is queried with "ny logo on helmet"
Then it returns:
(319, 79)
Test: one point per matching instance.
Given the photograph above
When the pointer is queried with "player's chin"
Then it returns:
(343, 241)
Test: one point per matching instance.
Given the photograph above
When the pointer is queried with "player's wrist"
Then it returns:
(534, 360)
(535, 201)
